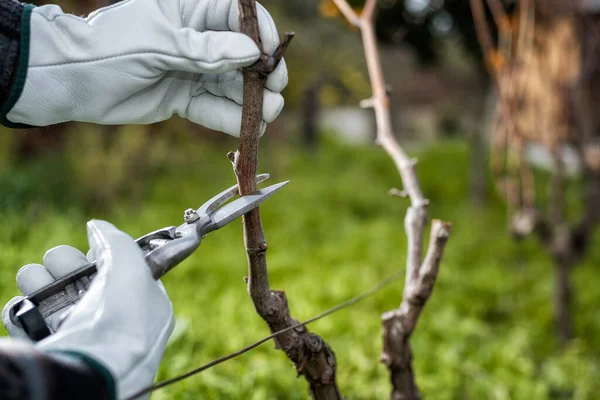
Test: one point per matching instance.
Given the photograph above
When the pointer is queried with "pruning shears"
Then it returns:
(163, 250)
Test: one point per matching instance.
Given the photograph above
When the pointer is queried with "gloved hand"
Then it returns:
(141, 61)
(122, 323)
(58, 262)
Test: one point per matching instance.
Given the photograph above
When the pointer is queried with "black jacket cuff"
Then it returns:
(10, 32)
(15, 32)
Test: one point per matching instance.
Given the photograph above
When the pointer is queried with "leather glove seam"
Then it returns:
(102, 10)
(55, 17)
(143, 53)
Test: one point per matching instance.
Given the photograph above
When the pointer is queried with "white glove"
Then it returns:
(58, 262)
(141, 61)
(124, 320)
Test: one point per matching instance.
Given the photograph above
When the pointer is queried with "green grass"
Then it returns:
(486, 333)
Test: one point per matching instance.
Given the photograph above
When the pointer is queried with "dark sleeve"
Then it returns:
(10, 31)
(27, 374)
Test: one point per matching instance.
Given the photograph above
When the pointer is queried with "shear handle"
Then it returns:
(165, 257)
(168, 233)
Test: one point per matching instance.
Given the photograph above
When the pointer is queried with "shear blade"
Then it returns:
(217, 201)
(241, 206)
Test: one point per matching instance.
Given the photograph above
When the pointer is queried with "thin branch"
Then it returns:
(246, 164)
(482, 28)
(348, 12)
(416, 217)
(385, 135)
(500, 17)
(526, 25)
(368, 10)
(312, 356)
(417, 293)
(484, 37)
(399, 324)
(420, 275)
(414, 224)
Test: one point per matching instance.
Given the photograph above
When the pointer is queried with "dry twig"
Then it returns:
(313, 357)
(536, 82)
(399, 324)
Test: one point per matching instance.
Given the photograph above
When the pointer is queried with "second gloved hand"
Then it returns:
(141, 61)
(58, 262)
(121, 325)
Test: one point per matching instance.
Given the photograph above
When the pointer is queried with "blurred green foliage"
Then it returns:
(486, 333)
